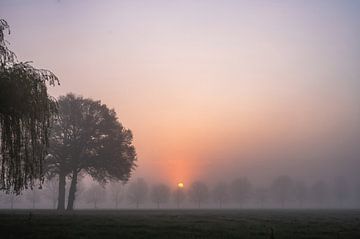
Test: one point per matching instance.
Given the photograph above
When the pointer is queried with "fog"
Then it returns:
(249, 104)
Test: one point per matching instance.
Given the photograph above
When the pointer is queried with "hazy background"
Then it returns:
(212, 90)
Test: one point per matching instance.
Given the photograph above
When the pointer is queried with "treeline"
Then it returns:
(282, 192)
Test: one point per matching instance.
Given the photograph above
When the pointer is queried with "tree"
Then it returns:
(301, 193)
(198, 193)
(241, 190)
(261, 195)
(137, 192)
(51, 191)
(10, 198)
(179, 196)
(117, 192)
(220, 193)
(341, 190)
(282, 189)
(319, 192)
(33, 196)
(26, 111)
(95, 194)
(160, 193)
(88, 139)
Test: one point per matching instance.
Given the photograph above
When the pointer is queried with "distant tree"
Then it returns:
(117, 192)
(95, 195)
(51, 190)
(261, 196)
(282, 189)
(241, 190)
(198, 193)
(33, 196)
(319, 193)
(137, 192)
(88, 139)
(160, 193)
(10, 198)
(341, 190)
(301, 192)
(179, 196)
(26, 110)
(220, 193)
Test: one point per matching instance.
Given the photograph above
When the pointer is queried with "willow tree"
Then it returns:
(87, 138)
(26, 110)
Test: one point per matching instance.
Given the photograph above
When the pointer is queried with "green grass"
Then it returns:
(181, 224)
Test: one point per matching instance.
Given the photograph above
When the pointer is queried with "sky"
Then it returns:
(212, 90)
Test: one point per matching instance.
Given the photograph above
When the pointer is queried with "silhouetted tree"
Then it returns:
(282, 189)
(95, 194)
(137, 192)
(220, 193)
(26, 110)
(87, 138)
(117, 192)
(241, 190)
(301, 193)
(261, 196)
(179, 196)
(198, 193)
(160, 193)
(319, 193)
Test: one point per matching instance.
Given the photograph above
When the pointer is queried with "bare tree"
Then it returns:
(95, 194)
(282, 189)
(301, 193)
(160, 193)
(179, 196)
(137, 192)
(319, 193)
(33, 196)
(117, 192)
(198, 193)
(241, 190)
(220, 193)
(261, 196)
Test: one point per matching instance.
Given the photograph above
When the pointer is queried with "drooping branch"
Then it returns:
(26, 110)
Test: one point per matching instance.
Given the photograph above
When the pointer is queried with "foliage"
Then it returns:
(26, 111)
(87, 138)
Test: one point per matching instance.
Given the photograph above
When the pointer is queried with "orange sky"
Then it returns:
(209, 88)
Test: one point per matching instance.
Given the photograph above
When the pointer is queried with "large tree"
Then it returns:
(26, 110)
(88, 139)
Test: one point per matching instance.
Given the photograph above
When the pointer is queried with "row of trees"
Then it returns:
(283, 192)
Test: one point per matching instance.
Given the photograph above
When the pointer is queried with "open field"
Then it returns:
(181, 224)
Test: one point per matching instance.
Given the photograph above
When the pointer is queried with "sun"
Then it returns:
(180, 185)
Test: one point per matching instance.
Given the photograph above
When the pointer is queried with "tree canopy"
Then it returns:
(87, 138)
(26, 110)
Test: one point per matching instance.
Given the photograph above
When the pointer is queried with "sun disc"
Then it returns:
(180, 185)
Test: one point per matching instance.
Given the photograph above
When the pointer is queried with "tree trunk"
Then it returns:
(72, 191)
(61, 196)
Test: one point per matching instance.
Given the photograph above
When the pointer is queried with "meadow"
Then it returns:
(181, 224)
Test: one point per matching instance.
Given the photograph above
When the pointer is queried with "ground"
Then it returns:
(181, 224)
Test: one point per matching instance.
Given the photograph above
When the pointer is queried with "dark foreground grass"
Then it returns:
(181, 224)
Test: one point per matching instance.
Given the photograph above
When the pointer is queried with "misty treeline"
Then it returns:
(282, 192)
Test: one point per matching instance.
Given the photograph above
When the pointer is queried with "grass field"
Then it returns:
(181, 224)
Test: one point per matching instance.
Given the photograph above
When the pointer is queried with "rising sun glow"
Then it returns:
(180, 185)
